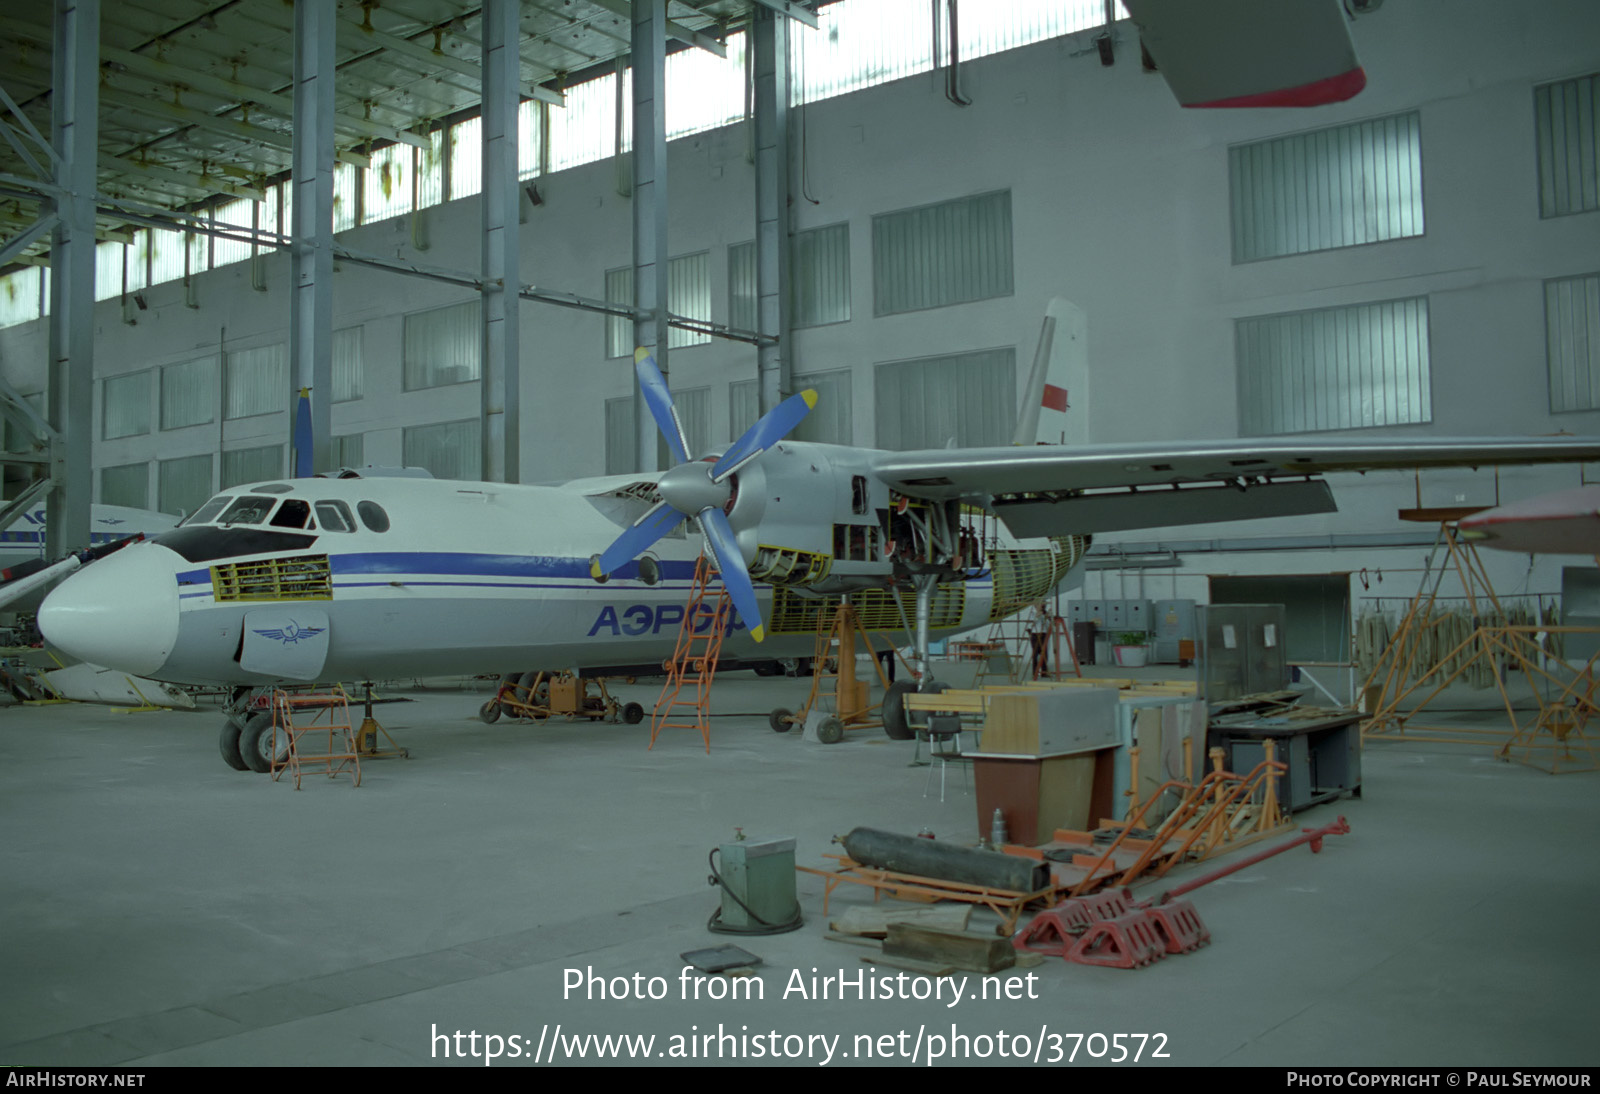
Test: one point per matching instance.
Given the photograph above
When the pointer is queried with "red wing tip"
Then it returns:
(1333, 89)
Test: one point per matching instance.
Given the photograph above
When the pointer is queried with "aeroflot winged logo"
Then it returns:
(292, 633)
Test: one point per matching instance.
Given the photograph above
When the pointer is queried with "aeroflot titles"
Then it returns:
(649, 619)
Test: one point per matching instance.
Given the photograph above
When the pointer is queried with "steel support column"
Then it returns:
(311, 233)
(650, 260)
(770, 40)
(502, 360)
(75, 85)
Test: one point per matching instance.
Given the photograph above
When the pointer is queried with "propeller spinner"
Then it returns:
(700, 491)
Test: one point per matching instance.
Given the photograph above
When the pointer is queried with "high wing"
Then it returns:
(1049, 490)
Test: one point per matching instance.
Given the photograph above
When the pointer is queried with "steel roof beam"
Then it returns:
(796, 11)
(675, 30)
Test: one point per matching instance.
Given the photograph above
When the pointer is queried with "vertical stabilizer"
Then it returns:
(1055, 402)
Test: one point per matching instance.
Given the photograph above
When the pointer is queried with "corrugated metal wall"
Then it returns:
(744, 311)
(444, 346)
(949, 253)
(258, 464)
(184, 483)
(1336, 368)
(127, 405)
(619, 329)
(450, 450)
(744, 407)
(127, 484)
(820, 282)
(830, 421)
(349, 368)
(1337, 187)
(688, 295)
(619, 436)
(1572, 341)
(348, 450)
(1567, 116)
(255, 381)
(966, 397)
(694, 412)
(188, 394)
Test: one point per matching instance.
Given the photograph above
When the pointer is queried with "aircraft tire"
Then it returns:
(255, 742)
(230, 746)
(779, 720)
(830, 731)
(489, 713)
(633, 714)
(894, 710)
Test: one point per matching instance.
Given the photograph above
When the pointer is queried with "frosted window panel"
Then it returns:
(387, 190)
(991, 26)
(19, 296)
(1567, 116)
(256, 381)
(16, 438)
(137, 256)
(430, 171)
(346, 195)
(166, 256)
(529, 138)
(743, 300)
(188, 393)
(950, 253)
(820, 280)
(1335, 368)
(466, 158)
(619, 328)
(705, 91)
(348, 365)
(1337, 187)
(1572, 342)
(968, 398)
(235, 215)
(198, 247)
(107, 270)
(444, 346)
(449, 450)
(689, 296)
(829, 421)
(744, 407)
(127, 485)
(584, 130)
(126, 409)
(694, 414)
(248, 465)
(185, 484)
(859, 43)
(348, 450)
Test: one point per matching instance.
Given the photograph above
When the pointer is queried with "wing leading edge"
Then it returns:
(1102, 488)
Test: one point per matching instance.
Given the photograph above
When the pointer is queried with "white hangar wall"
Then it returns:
(1120, 203)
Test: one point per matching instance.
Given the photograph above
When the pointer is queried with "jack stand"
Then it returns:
(367, 735)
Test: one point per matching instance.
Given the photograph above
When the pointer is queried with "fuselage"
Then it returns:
(356, 578)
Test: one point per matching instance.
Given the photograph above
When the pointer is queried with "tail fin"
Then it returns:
(1055, 404)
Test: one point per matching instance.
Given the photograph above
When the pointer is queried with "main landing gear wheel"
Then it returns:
(781, 720)
(633, 714)
(489, 713)
(255, 743)
(230, 746)
(830, 731)
(894, 708)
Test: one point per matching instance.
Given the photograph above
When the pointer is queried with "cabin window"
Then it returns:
(335, 516)
(209, 510)
(373, 516)
(249, 509)
(293, 514)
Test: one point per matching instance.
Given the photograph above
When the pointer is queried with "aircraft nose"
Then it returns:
(120, 612)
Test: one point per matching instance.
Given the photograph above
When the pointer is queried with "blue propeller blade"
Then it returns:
(636, 540)
(302, 436)
(659, 400)
(735, 578)
(765, 433)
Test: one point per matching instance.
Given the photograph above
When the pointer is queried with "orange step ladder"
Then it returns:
(694, 659)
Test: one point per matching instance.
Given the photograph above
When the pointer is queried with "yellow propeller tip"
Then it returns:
(594, 569)
(810, 396)
(639, 354)
(758, 632)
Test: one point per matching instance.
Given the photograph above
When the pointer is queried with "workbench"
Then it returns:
(1322, 751)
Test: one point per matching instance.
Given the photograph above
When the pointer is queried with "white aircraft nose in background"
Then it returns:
(121, 612)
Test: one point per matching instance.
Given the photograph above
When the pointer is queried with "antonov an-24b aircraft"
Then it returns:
(362, 576)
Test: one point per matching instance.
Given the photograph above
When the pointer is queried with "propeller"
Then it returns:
(701, 491)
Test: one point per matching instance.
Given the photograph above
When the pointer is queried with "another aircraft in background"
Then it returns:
(1564, 523)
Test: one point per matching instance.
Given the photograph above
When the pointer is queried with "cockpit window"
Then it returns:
(373, 516)
(209, 510)
(293, 514)
(335, 516)
(250, 509)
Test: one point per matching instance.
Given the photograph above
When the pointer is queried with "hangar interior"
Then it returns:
(890, 232)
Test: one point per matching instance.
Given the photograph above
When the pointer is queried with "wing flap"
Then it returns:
(1113, 511)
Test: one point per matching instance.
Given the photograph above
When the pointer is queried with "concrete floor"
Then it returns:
(159, 908)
